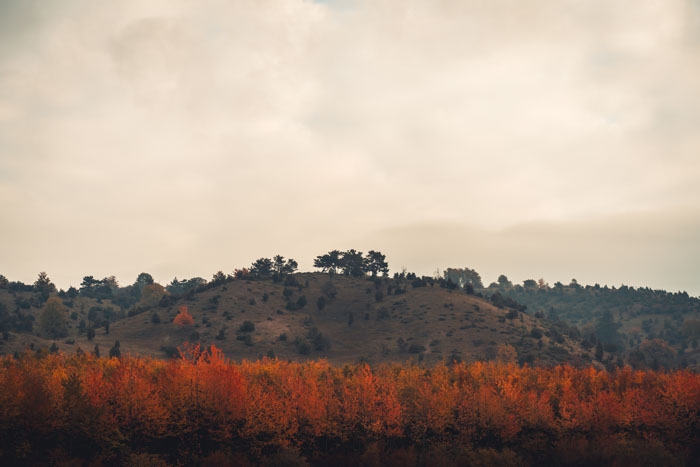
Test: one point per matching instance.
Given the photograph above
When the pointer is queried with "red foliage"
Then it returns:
(271, 405)
(183, 318)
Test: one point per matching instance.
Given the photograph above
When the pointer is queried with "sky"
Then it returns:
(555, 138)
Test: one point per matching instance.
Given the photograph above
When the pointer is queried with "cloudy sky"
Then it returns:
(554, 138)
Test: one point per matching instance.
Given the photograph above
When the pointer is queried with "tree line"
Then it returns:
(203, 409)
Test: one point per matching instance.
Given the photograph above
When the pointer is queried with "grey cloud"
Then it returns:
(192, 136)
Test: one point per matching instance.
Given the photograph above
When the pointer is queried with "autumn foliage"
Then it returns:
(183, 318)
(201, 406)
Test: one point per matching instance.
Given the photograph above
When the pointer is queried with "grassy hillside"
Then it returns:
(311, 315)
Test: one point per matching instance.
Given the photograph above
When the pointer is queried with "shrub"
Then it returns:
(302, 345)
(329, 290)
(247, 326)
(247, 339)
(291, 281)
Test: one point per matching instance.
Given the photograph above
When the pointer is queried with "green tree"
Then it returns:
(143, 279)
(262, 268)
(606, 329)
(219, 278)
(44, 286)
(375, 263)
(282, 267)
(352, 263)
(503, 281)
(330, 262)
(463, 276)
(98, 288)
(52, 320)
(115, 351)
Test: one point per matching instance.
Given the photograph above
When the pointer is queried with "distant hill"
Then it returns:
(644, 327)
(304, 316)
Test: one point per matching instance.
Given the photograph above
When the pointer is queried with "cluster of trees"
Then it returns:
(276, 268)
(464, 278)
(353, 263)
(201, 407)
(604, 316)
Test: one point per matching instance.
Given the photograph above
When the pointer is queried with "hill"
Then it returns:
(303, 316)
(645, 328)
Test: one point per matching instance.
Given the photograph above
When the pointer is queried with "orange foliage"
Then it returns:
(271, 405)
(183, 318)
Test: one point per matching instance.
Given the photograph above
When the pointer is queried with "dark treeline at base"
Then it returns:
(202, 409)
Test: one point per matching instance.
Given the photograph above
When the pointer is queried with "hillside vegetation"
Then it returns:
(353, 311)
(642, 327)
(308, 315)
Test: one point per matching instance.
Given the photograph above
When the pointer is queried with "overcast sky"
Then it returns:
(556, 139)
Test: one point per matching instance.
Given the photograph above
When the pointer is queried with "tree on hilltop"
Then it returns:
(98, 288)
(143, 279)
(44, 286)
(282, 268)
(463, 276)
(352, 263)
(330, 262)
(375, 263)
(261, 268)
(503, 281)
